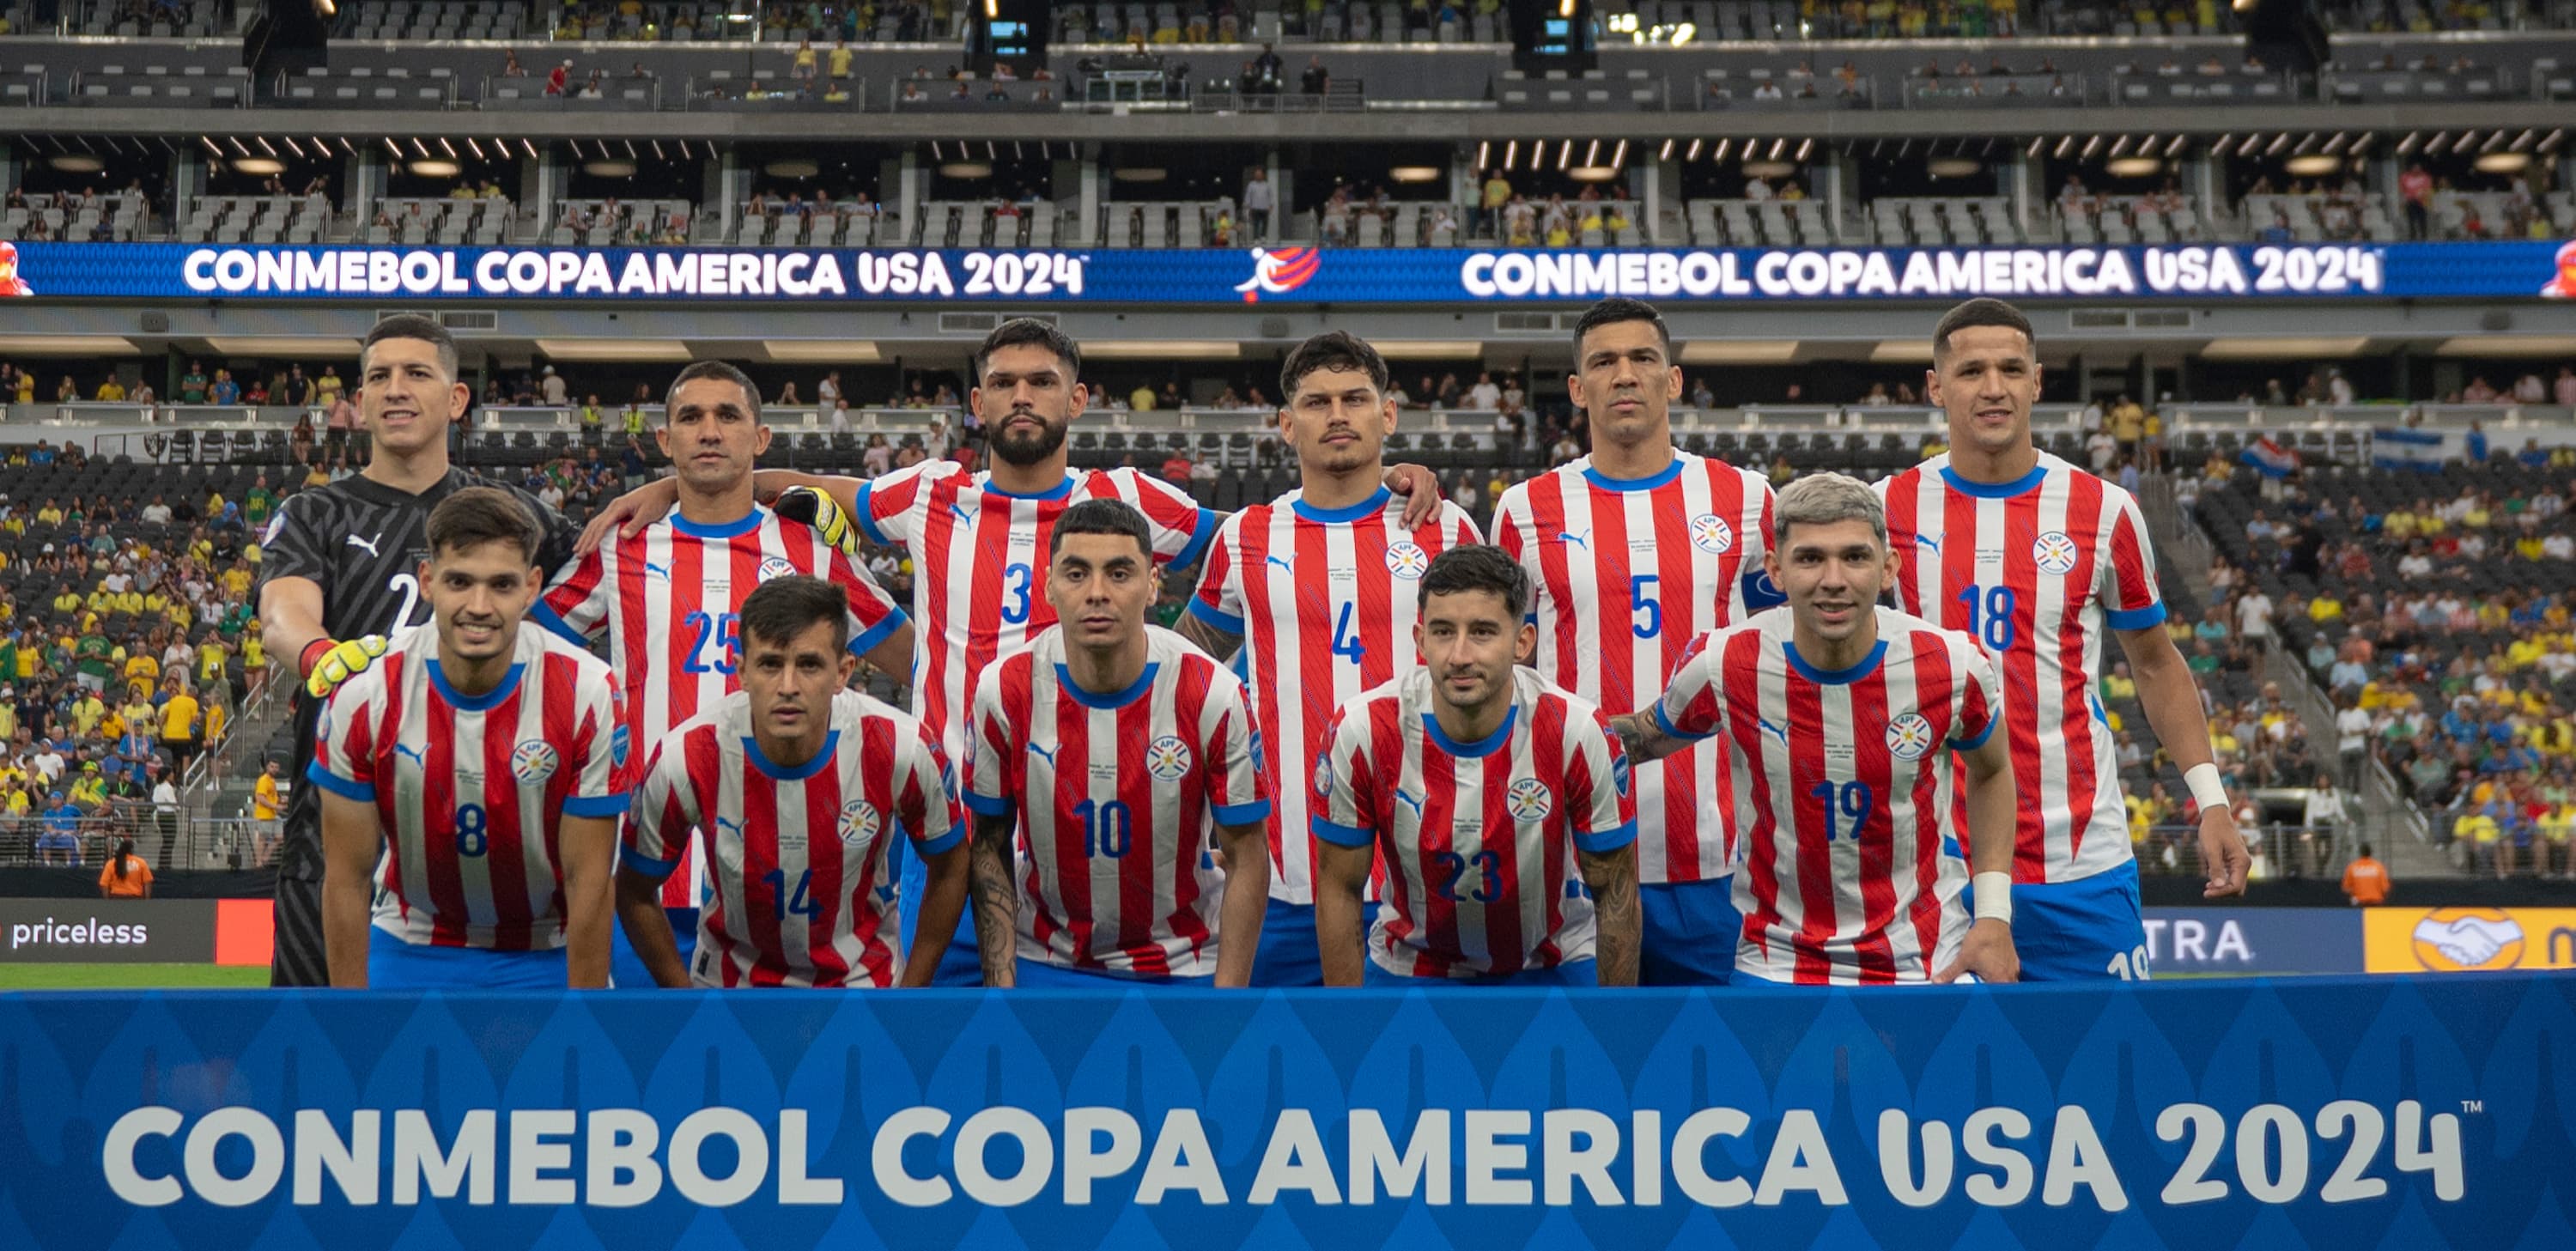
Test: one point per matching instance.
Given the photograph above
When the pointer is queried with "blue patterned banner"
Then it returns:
(1298, 275)
(2334, 1112)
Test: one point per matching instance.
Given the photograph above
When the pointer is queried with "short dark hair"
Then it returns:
(1333, 349)
(479, 515)
(1477, 567)
(412, 326)
(1023, 330)
(1619, 308)
(779, 609)
(1102, 517)
(713, 369)
(1985, 310)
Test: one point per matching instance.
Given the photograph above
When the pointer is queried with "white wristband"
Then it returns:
(1993, 893)
(2206, 789)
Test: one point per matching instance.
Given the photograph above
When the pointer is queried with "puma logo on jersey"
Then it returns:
(1764, 724)
(1414, 801)
(1281, 563)
(727, 823)
(652, 570)
(418, 757)
(1583, 540)
(1925, 540)
(369, 544)
(1046, 753)
(959, 511)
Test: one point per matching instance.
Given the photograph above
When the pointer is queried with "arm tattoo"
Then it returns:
(1612, 876)
(997, 899)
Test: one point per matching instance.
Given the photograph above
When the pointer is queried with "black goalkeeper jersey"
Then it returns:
(362, 542)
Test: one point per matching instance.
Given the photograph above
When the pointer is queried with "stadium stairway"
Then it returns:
(2387, 820)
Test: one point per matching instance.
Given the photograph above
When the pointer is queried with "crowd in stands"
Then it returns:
(2436, 611)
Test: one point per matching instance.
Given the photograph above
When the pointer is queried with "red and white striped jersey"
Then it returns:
(1844, 801)
(1478, 839)
(1623, 575)
(979, 562)
(669, 601)
(1118, 798)
(803, 892)
(2033, 570)
(1325, 601)
(469, 790)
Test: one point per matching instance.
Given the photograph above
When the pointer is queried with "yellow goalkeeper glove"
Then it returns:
(329, 662)
(819, 510)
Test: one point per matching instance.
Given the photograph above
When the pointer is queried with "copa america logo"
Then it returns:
(1710, 533)
(1909, 736)
(1167, 759)
(775, 567)
(10, 282)
(1529, 800)
(1278, 271)
(1324, 772)
(1407, 561)
(2053, 552)
(533, 761)
(858, 821)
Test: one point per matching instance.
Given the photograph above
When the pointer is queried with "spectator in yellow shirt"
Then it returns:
(143, 667)
(179, 723)
(2325, 608)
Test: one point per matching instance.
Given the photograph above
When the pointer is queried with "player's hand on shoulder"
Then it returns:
(819, 510)
(330, 662)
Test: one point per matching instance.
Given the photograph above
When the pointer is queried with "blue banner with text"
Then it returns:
(2328, 1112)
(1298, 275)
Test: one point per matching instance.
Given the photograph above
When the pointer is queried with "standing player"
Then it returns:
(798, 787)
(1632, 552)
(471, 778)
(2032, 557)
(1319, 584)
(340, 572)
(669, 598)
(1481, 784)
(1832, 713)
(1123, 763)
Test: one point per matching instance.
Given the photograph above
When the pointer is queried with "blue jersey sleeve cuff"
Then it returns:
(1209, 520)
(867, 640)
(1241, 814)
(1666, 725)
(989, 805)
(363, 792)
(1611, 839)
(2136, 618)
(644, 865)
(1972, 744)
(936, 846)
(612, 804)
(865, 517)
(1225, 621)
(1340, 835)
(544, 615)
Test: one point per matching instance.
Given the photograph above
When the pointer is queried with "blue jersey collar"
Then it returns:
(758, 759)
(1649, 482)
(1834, 677)
(742, 525)
(484, 702)
(1056, 492)
(1485, 746)
(1333, 516)
(1995, 490)
(1114, 699)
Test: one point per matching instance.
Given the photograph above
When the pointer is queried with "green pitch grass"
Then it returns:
(130, 976)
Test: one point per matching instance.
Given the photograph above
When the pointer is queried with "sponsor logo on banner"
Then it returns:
(11, 282)
(1278, 271)
(2562, 285)
(2468, 940)
(107, 931)
(2253, 942)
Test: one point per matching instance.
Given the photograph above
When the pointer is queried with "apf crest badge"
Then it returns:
(1909, 736)
(1710, 533)
(533, 761)
(1529, 800)
(1167, 758)
(858, 822)
(2054, 553)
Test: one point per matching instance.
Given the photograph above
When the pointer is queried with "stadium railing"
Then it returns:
(2284, 851)
(165, 841)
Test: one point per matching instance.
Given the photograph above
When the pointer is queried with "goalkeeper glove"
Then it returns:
(819, 510)
(329, 662)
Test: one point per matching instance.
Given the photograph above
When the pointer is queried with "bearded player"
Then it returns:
(1320, 587)
(1834, 714)
(1632, 552)
(2034, 558)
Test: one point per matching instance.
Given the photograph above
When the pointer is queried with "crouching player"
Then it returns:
(1833, 713)
(471, 778)
(1123, 763)
(798, 788)
(1483, 786)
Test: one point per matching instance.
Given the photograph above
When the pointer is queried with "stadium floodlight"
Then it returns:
(1685, 33)
(2135, 167)
(2036, 142)
(1719, 156)
(435, 169)
(1484, 149)
(2119, 147)
(1511, 152)
(1619, 157)
(1667, 153)
(2503, 162)
(1693, 154)
(2174, 148)
(2313, 165)
(1564, 154)
(2523, 140)
(1592, 154)
(1414, 173)
(2547, 145)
